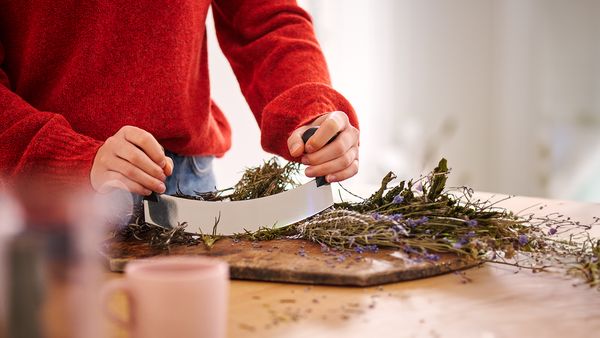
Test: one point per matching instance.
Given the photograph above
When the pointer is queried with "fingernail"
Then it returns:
(163, 163)
(330, 178)
(308, 172)
(162, 188)
(296, 147)
(305, 160)
(163, 177)
(147, 192)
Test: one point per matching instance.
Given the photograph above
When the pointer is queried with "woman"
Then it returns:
(116, 93)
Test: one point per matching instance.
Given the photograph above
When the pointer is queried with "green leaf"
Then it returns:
(438, 181)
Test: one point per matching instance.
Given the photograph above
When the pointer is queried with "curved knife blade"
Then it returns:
(237, 216)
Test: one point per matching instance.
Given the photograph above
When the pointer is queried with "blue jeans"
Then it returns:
(191, 175)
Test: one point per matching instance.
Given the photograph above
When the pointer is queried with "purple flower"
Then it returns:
(472, 222)
(398, 199)
(552, 231)
(359, 249)
(419, 186)
(324, 248)
(523, 239)
(341, 258)
(301, 252)
(372, 248)
(376, 216)
(471, 234)
(398, 229)
(413, 223)
(432, 257)
(408, 249)
(397, 217)
(461, 242)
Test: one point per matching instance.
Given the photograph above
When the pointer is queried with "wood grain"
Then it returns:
(298, 261)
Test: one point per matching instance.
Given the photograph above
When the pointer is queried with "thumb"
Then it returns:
(168, 168)
(295, 143)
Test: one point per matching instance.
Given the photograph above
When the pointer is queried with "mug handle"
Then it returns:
(113, 286)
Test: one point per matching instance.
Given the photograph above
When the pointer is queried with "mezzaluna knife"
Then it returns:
(234, 217)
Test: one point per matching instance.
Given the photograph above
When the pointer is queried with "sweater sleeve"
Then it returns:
(40, 143)
(279, 65)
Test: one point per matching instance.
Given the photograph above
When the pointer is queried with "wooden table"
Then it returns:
(484, 302)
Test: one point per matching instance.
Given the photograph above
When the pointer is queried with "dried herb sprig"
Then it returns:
(210, 239)
(156, 236)
(266, 180)
(268, 233)
(587, 266)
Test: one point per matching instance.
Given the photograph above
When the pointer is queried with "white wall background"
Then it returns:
(507, 90)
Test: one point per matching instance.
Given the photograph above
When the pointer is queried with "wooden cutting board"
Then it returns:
(297, 261)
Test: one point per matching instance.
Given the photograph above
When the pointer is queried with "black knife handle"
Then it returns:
(307, 135)
(153, 197)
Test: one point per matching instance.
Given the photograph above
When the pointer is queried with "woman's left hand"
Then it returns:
(337, 160)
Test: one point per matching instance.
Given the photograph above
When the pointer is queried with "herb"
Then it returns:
(421, 217)
(155, 235)
(269, 179)
(587, 266)
(210, 240)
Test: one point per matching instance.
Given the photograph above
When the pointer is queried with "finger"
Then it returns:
(168, 169)
(295, 143)
(333, 124)
(116, 180)
(138, 158)
(339, 176)
(145, 141)
(319, 120)
(342, 143)
(137, 175)
(333, 166)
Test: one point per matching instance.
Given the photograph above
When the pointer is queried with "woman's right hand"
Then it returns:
(131, 159)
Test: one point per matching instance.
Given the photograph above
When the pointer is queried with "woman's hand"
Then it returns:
(131, 159)
(336, 161)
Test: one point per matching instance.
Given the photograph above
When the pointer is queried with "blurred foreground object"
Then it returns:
(194, 291)
(10, 224)
(53, 268)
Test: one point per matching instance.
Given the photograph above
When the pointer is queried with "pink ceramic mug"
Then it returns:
(174, 297)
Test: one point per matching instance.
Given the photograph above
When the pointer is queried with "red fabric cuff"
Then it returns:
(61, 154)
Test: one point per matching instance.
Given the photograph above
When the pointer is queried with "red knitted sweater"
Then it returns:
(72, 73)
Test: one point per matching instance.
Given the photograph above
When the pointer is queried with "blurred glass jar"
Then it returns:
(10, 224)
(54, 263)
